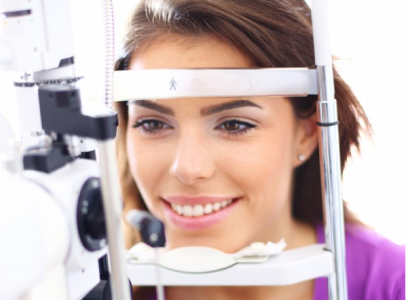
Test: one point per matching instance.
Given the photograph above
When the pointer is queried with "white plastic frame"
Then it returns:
(183, 83)
(289, 267)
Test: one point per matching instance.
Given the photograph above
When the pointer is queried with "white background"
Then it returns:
(369, 39)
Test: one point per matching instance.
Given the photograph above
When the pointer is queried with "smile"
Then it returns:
(198, 213)
(199, 210)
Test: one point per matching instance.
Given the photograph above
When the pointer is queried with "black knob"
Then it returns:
(90, 216)
(153, 232)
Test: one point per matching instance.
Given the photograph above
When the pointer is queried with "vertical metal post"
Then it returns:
(109, 175)
(331, 184)
(113, 211)
(329, 147)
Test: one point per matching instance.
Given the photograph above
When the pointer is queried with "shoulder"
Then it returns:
(375, 265)
(365, 244)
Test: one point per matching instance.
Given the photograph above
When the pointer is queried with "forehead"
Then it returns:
(174, 52)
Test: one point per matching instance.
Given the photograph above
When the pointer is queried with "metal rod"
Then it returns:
(331, 184)
(329, 148)
(109, 175)
(113, 211)
(159, 287)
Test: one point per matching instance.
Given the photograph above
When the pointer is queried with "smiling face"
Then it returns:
(217, 171)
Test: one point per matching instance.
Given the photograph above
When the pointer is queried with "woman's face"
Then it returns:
(217, 171)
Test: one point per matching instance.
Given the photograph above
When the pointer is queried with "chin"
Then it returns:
(214, 239)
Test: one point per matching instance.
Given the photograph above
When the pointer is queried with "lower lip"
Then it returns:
(198, 223)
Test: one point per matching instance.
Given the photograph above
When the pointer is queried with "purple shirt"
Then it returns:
(375, 266)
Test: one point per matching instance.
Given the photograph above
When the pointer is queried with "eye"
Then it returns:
(236, 126)
(151, 125)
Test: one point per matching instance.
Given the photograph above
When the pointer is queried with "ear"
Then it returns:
(306, 139)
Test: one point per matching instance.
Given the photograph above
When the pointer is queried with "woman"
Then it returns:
(226, 172)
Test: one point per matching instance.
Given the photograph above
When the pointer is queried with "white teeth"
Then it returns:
(208, 208)
(199, 209)
(179, 209)
(187, 211)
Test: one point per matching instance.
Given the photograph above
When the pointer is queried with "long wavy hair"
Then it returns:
(271, 34)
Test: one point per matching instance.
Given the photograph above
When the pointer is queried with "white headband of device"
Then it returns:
(182, 83)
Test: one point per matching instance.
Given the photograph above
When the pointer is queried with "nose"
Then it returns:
(193, 161)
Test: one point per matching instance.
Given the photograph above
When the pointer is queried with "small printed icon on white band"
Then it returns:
(172, 84)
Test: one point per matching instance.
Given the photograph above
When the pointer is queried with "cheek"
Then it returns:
(263, 172)
(145, 165)
(262, 163)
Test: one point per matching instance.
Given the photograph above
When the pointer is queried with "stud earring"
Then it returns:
(301, 157)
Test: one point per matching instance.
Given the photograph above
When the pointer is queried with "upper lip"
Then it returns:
(187, 200)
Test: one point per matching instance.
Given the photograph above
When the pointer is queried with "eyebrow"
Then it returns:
(154, 106)
(214, 109)
(210, 110)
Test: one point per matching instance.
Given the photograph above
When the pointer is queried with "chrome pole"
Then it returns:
(113, 210)
(112, 203)
(331, 185)
(329, 149)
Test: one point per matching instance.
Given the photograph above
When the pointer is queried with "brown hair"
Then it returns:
(272, 34)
